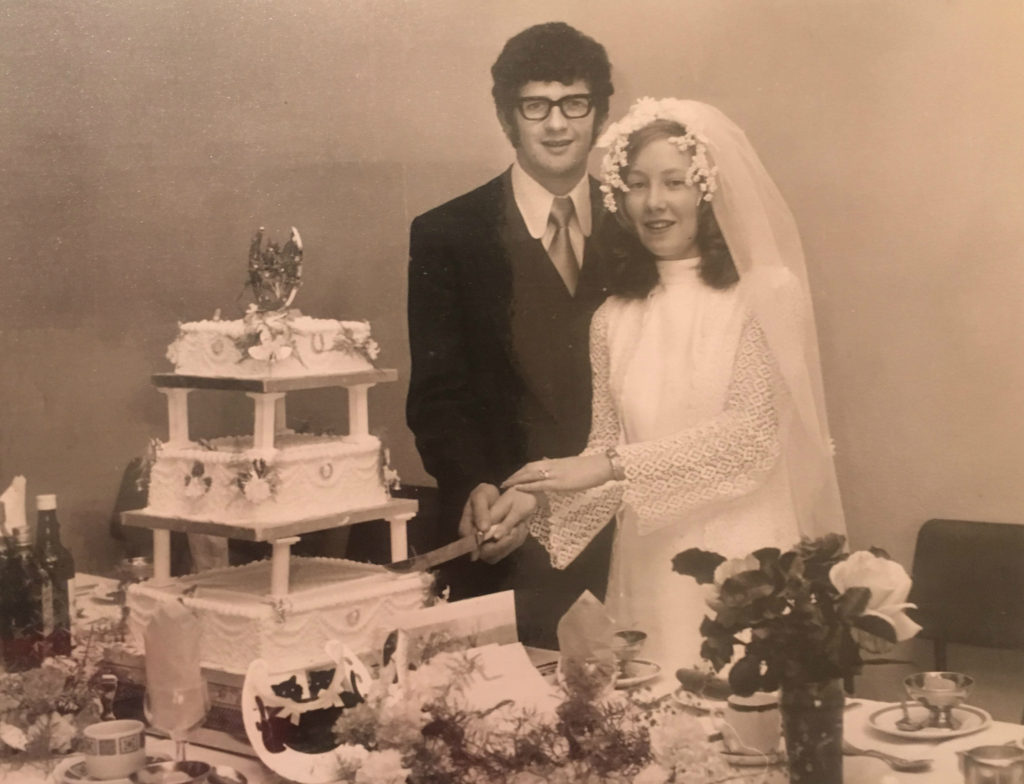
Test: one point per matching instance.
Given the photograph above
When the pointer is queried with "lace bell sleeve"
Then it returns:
(720, 459)
(566, 522)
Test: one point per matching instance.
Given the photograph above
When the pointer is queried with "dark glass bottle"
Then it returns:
(29, 594)
(4, 547)
(55, 558)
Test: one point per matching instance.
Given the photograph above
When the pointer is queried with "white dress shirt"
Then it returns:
(534, 202)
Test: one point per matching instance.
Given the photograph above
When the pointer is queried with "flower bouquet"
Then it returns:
(425, 728)
(802, 620)
(43, 710)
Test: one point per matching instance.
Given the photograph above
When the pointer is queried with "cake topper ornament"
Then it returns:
(275, 273)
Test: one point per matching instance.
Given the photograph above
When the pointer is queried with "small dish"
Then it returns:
(971, 720)
(72, 770)
(636, 672)
(171, 772)
(741, 760)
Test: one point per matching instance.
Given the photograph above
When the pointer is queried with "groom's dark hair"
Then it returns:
(550, 52)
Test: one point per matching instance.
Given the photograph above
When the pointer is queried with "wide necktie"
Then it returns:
(560, 250)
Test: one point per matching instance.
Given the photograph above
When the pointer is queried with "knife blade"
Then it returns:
(428, 560)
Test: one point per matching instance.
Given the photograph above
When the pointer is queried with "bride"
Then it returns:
(709, 425)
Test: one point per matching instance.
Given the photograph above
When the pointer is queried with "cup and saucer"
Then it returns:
(751, 730)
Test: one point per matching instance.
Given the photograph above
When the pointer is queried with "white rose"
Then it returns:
(725, 570)
(889, 585)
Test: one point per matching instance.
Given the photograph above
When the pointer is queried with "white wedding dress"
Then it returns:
(688, 392)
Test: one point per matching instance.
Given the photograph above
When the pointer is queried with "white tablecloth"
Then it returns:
(857, 770)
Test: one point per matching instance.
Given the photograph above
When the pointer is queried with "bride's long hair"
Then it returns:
(635, 272)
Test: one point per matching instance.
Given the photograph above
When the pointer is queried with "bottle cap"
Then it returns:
(45, 503)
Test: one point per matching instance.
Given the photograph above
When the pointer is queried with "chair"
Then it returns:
(969, 585)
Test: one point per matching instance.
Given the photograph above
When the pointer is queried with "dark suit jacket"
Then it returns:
(500, 362)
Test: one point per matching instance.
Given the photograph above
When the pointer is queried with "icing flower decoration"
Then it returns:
(258, 483)
(196, 484)
(257, 490)
(701, 174)
(355, 338)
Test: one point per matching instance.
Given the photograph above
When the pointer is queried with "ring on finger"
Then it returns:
(545, 473)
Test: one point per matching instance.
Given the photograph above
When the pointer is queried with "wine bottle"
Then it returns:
(55, 558)
(29, 592)
(4, 539)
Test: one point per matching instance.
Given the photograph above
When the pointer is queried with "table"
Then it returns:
(858, 770)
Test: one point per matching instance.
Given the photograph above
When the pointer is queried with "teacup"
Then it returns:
(751, 725)
(114, 749)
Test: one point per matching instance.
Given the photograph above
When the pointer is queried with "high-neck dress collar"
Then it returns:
(677, 270)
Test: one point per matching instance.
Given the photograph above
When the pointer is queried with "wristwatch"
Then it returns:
(618, 471)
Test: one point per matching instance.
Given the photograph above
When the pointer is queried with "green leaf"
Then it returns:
(698, 564)
(872, 624)
(745, 676)
(854, 602)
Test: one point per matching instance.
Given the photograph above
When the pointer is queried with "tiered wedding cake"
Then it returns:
(274, 484)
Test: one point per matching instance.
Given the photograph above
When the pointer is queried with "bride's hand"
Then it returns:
(564, 474)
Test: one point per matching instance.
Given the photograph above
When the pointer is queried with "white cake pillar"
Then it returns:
(358, 411)
(177, 415)
(280, 415)
(399, 536)
(161, 554)
(263, 425)
(280, 564)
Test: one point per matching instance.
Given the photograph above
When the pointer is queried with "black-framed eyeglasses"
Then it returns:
(572, 107)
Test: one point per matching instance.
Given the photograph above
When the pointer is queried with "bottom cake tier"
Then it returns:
(328, 599)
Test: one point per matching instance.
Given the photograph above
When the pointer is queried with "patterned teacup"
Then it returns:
(114, 749)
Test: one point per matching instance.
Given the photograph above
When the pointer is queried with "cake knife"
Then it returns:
(420, 563)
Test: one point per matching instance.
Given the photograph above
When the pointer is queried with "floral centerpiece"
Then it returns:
(425, 732)
(431, 717)
(801, 620)
(43, 710)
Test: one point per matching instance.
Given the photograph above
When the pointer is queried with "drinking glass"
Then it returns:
(176, 712)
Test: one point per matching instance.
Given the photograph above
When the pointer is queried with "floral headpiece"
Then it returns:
(701, 174)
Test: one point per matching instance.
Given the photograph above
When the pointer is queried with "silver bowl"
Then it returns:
(171, 772)
(939, 692)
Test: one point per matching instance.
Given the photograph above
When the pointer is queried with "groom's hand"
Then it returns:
(503, 518)
(510, 516)
(476, 513)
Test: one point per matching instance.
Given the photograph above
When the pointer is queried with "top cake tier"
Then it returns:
(276, 344)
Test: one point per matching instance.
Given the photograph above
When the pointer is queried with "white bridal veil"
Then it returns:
(765, 245)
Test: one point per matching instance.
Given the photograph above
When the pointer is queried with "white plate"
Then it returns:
(696, 703)
(637, 671)
(971, 720)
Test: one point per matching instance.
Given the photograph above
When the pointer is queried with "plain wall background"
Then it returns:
(141, 144)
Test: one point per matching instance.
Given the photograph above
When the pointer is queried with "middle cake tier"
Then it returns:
(226, 480)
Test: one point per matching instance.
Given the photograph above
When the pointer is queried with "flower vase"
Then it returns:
(812, 723)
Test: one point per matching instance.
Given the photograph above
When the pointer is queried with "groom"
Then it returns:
(503, 282)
